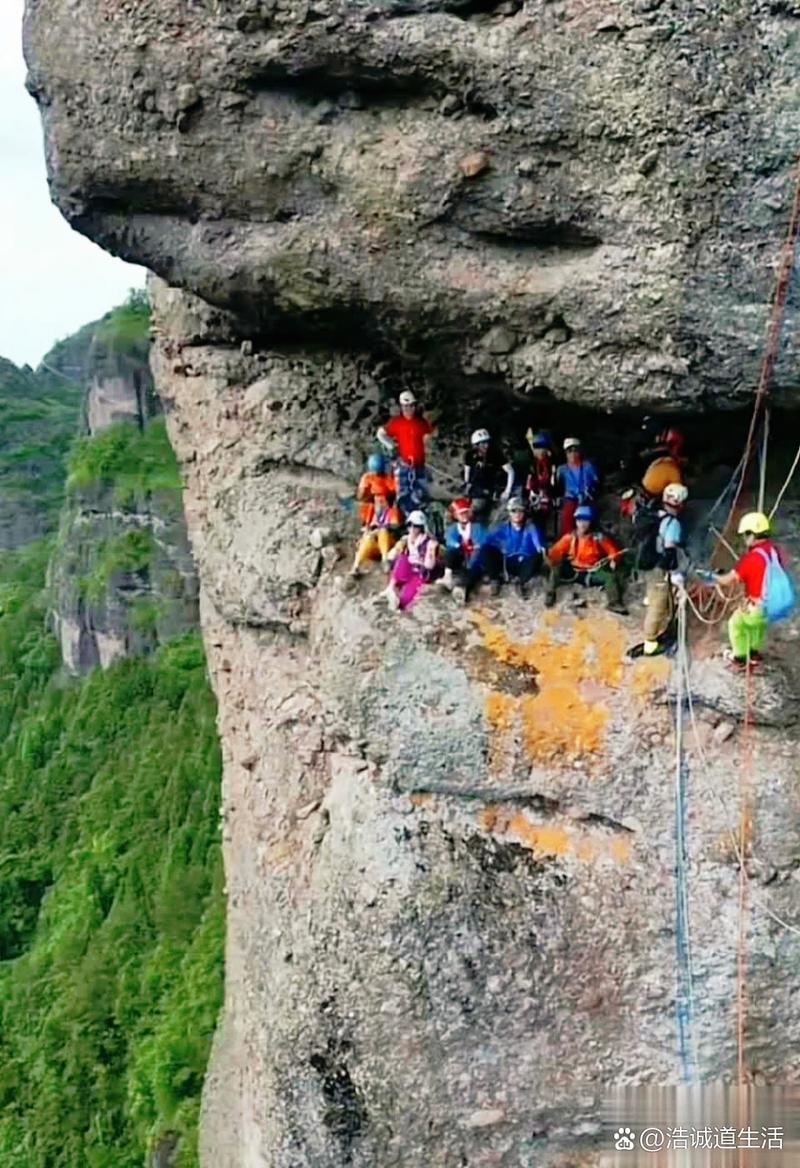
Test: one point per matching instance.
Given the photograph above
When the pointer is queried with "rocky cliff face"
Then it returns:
(122, 577)
(449, 839)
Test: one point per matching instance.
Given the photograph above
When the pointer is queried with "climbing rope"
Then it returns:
(684, 995)
(775, 327)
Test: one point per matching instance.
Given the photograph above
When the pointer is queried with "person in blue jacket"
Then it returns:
(462, 551)
(514, 550)
(577, 482)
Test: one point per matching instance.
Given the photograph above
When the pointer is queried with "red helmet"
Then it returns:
(461, 507)
(672, 440)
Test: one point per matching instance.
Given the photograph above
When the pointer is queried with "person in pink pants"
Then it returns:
(415, 563)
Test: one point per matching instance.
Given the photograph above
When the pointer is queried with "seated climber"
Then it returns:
(513, 550)
(576, 482)
(406, 438)
(487, 474)
(587, 557)
(415, 561)
(539, 488)
(382, 523)
(376, 480)
(462, 553)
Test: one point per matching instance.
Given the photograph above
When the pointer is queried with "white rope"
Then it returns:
(785, 486)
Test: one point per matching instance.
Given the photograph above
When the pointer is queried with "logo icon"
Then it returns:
(623, 1139)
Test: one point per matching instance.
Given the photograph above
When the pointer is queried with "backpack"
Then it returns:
(437, 517)
(779, 596)
(644, 536)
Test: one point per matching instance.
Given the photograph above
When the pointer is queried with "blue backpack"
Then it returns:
(780, 597)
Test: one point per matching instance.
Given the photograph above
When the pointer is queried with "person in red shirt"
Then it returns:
(586, 557)
(747, 627)
(406, 438)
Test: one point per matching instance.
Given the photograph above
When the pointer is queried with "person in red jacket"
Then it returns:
(406, 438)
(747, 627)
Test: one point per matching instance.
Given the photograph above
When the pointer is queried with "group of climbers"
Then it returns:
(535, 491)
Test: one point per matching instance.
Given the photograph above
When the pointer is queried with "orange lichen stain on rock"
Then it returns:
(488, 817)
(587, 850)
(559, 719)
(620, 850)
(542, 838)
(648, 676)
(553, 840)
(500, 709)
(559, 722)
(593, 651)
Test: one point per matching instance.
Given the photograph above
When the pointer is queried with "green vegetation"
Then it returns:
(127, 327)
(111, 905)
(132, 551)
(135, 462)
(38, 420)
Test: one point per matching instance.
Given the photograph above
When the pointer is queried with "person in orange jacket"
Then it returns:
(379, 535)
(586, 557)
(376, 480)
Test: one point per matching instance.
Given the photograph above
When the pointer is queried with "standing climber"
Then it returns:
(406, 438)
(487, 474)
(747, 627)
(376, 480)
(539, 485)
(576, 482)
(666, 576)
(513, 550)
(664, 455)
(587, 557)
(382, 523)
(415, 563)
(462, 554)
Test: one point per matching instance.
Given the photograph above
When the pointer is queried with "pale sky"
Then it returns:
(52, 280)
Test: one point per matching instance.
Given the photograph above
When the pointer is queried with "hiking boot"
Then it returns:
(494, 588)
(735, 664)
(618, 607)
(525, 591)
(459, 595)
(549, 599)
(392, 598)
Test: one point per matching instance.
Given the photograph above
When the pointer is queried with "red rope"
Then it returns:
(777, 314)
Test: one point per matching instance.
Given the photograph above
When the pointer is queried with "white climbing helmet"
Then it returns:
(569, 442)
(675, 494)
(480, 436)
(407, 398)
(417, 519)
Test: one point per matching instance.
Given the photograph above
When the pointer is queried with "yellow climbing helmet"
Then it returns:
(754, 523)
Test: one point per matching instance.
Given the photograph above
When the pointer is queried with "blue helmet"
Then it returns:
(540, 439)
(584, 512)
(376, 464)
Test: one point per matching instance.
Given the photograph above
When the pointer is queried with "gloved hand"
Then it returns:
(707, 577)
(677, 579)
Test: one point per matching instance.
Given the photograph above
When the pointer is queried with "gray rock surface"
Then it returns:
(584, 199)
(449, 859)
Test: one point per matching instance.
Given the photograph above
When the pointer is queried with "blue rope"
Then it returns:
(684, 991)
